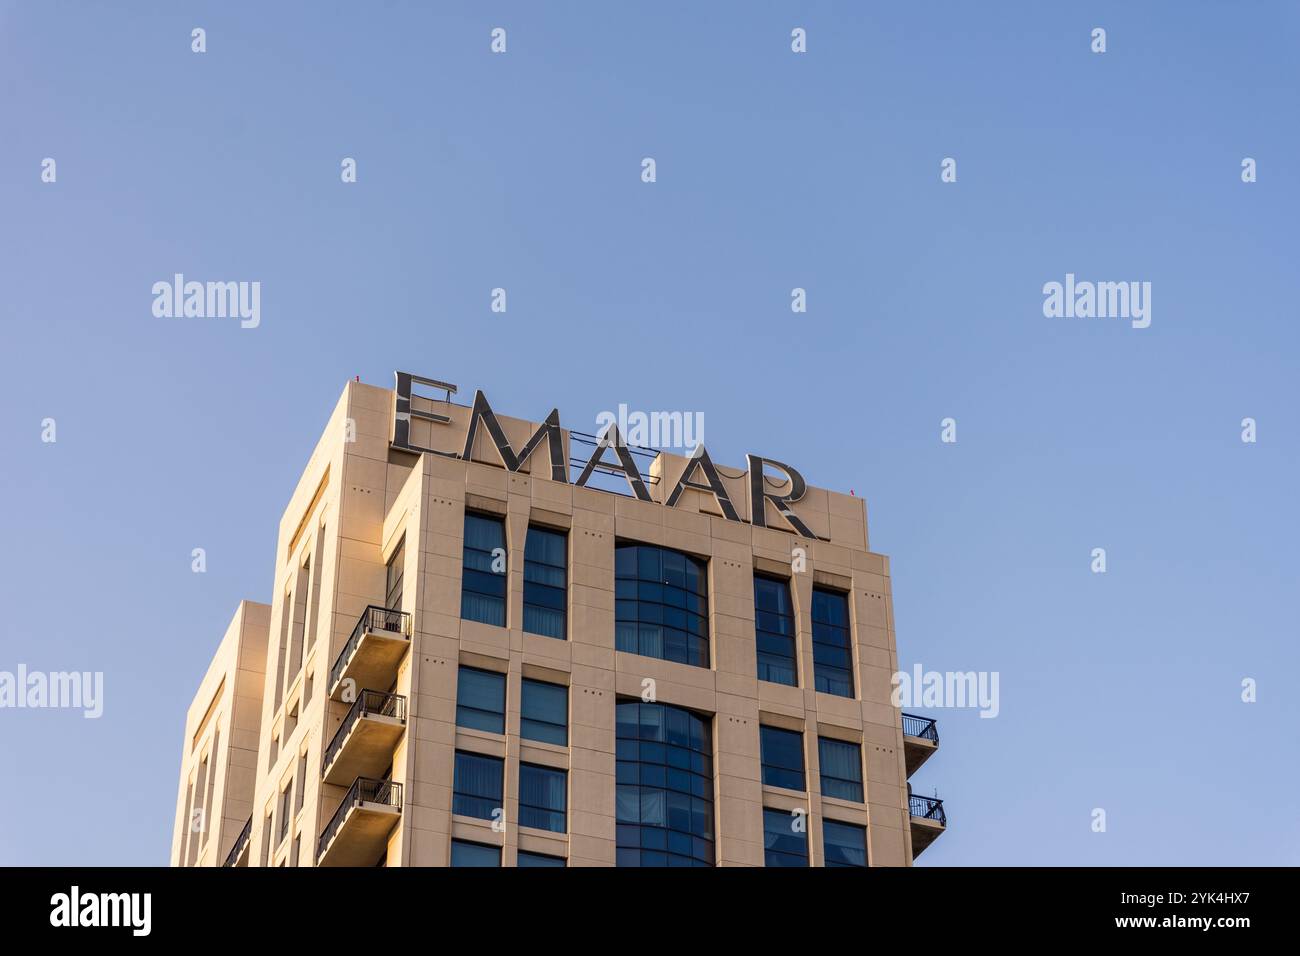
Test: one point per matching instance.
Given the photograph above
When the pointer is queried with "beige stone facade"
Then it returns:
(360, 501)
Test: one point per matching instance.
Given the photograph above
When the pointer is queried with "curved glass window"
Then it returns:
(664, 795)
(661, 606)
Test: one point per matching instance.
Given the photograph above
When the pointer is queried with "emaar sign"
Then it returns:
(699, 474)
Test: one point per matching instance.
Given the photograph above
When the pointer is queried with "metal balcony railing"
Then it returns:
(373, 618)
(241, 842)
(928, 808)
(924, 727)
(371, 702)
(363, 790)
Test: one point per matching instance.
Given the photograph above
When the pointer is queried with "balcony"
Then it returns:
(363, 744)
(920, 740)
(372, 653)
(238, 855)
(358, 832)
(928, 821)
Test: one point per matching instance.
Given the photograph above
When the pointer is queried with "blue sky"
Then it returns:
(775, 170)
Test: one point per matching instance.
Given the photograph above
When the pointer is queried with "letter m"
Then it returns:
(548, 431)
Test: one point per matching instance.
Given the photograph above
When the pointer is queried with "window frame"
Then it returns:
(463, 670)
(457, 794)
(525, 719)
(539, 588)
(822, 629)
(782, 774)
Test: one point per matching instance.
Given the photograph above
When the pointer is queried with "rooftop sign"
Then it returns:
(700, 473)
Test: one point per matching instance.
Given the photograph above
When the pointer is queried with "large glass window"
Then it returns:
(845, 844)
(544, 712)
(477, 789)
(662, 604)
(785, 838)
(483, 578)
(481, 700)
(394, 571)
(542, 797)
(782, 758)
(841, 766)
(539, 859)
(832, 653)
(545, 583)
(664, 787)
(464, 853)
(774, 631)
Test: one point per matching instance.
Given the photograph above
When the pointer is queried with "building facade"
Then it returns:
(476, 656)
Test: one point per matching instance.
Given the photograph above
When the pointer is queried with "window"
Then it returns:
(841, 765)
(481, 700)
(394, 571)
(774, 631)
(483, 580)
(542, 797)
(266, 839)
(464, 853)
(544, 712)
(782, 758)
(785, 838)
(662, 604)
(477, 787)
(845, 844)
(302, 779)
(832, 654)
(664, 792)
(286, 801)
(545, 583)
(539, 859)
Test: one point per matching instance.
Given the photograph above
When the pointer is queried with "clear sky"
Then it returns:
(775, 170)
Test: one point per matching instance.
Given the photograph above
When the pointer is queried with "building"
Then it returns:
(475, 656)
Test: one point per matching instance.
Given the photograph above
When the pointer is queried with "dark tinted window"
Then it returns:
(544, 712)
(785, 838)
(481, 700)
(483, 577)
(841, 767)
(539, 859)
(832, 652)
(545, 583)
(774, 631)
(845, 844)
(477, 786)
(782, 758)
(464, 853)
(542, 797)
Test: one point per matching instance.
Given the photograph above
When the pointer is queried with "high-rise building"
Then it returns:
(474, 656)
